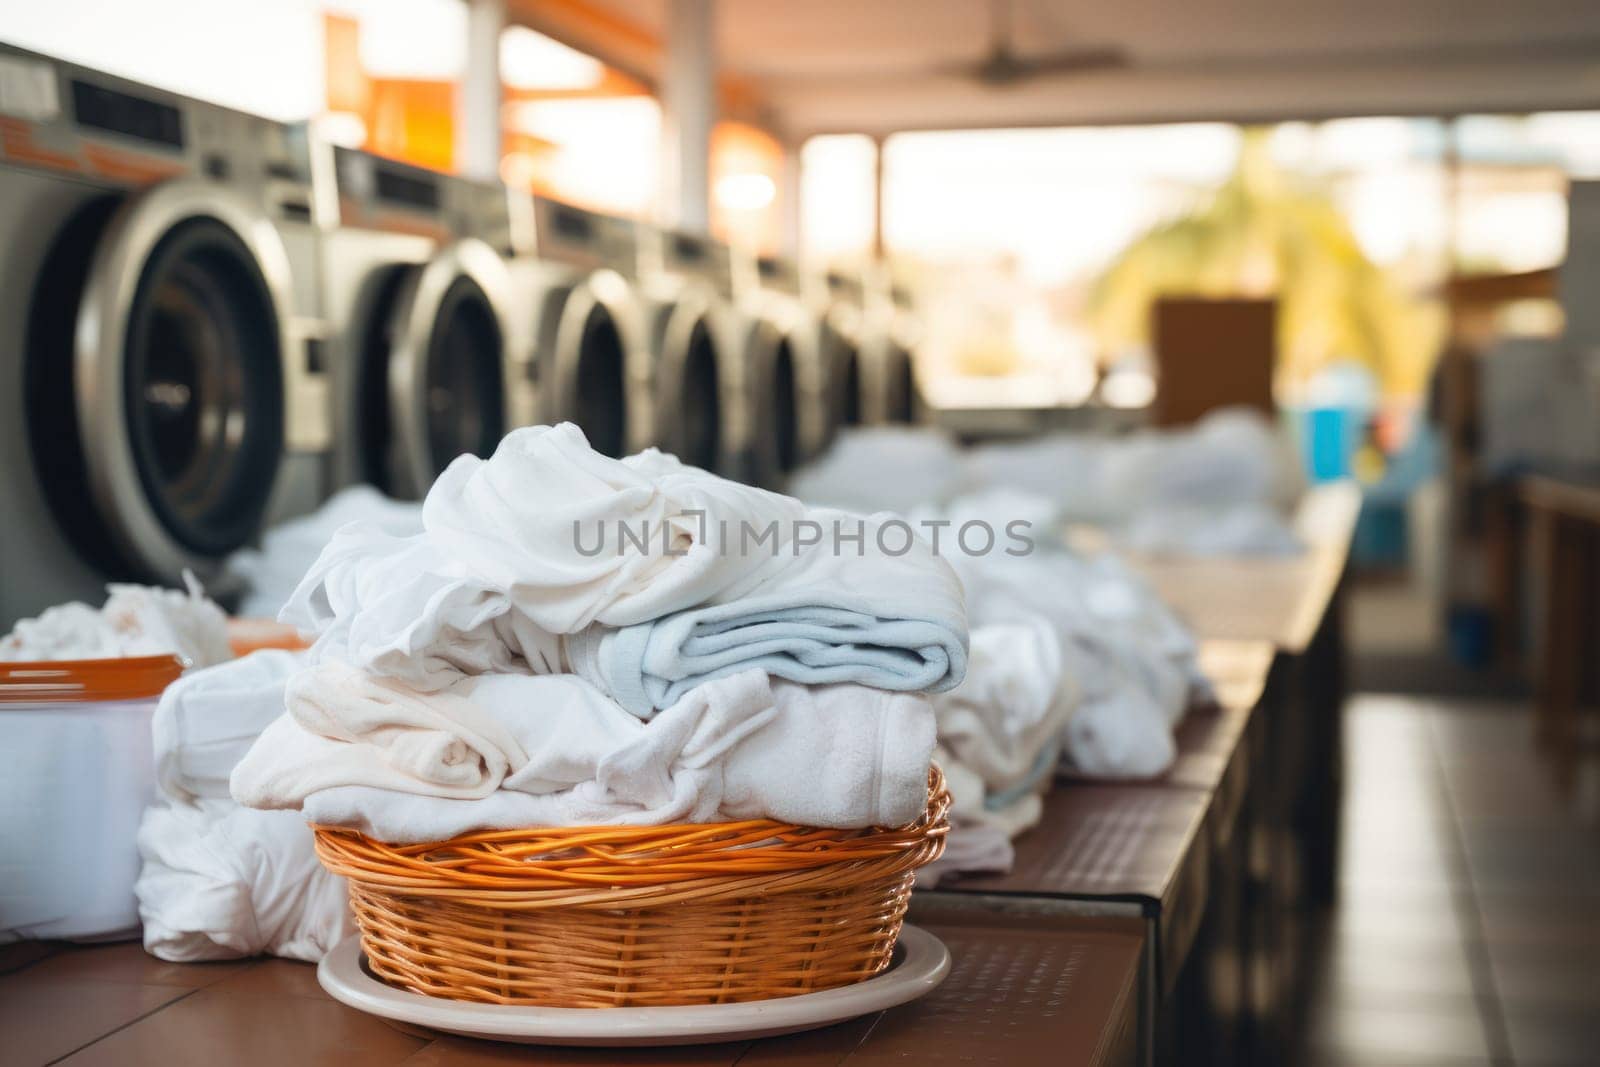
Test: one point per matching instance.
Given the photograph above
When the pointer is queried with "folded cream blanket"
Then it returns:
(561, 753)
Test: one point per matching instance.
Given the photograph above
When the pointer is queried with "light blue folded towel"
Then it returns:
(649, 666)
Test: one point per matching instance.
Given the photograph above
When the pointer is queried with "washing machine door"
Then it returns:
(595, 371)
(690, 421)
(900, 385)
(443, 378)
(155, 377)
(777, 439)
(844, 403)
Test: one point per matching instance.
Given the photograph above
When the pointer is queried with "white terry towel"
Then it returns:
(532, 519)
(536, 542)
(736, 748)
(220, 881)
(207, 720)
(1004, 722)
(1135, 663)
(399, 607)
(217, 880)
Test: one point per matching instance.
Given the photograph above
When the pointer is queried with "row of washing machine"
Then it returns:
(210, 321)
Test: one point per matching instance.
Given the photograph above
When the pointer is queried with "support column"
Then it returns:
(689, 102)
(789, 202)
(478, 123)
(877, 196)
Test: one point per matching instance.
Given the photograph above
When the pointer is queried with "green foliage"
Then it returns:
(1266, 232)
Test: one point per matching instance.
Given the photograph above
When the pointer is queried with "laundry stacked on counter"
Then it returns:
(568, 640)
(1222, 487)
(1076, 668)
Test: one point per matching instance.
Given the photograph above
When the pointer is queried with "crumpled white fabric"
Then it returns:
(1249, 529)
(524, 520)
(273, 571)
(739, 747)
(1134, 662)
(221, 881)
(528, 547)
(1224, 486)
(136, 620)
(218, 880)
(1004, 722)
(1000, 736)
(881, 468)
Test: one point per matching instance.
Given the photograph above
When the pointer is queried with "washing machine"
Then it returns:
(780, 346)
(839, 297)
(416, 294)
(686, 291)
(162, 379)
(587, 360)
(891, 334)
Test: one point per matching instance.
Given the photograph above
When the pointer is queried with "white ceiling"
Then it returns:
(872, 65)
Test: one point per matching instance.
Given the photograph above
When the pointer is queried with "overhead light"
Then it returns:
(745, 192)
(343, 128)
(530, 60)
(410, 39)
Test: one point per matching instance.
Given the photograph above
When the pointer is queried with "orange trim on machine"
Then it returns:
(16, 143)
(120, 167)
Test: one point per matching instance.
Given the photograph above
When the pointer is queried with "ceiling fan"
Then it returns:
(1001, 67)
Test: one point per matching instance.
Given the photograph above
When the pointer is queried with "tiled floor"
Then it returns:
(1468, 930)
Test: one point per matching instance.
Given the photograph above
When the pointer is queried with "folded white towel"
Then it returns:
(735, 748)
(208, 719)
(867, 604)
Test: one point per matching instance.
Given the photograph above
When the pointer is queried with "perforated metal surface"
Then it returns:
(1022, 990)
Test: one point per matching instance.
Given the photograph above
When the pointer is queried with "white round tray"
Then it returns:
(920, 963)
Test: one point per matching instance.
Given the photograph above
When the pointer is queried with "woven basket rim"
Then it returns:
(638, 866)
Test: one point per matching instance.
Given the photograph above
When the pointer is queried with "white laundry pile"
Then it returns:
(273, 571)
(646, 576)
(510, 751)
(220, 880)
(1000, 735)
(1221, 487)
(488, 672)
(1132, 661)
(881, 468)
(137, 620)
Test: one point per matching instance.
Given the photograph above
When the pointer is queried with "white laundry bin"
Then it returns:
(79, 773)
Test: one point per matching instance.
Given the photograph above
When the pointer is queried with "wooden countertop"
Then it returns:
(1281, 600)
(1026, 987)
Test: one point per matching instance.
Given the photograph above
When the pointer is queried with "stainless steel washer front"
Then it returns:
(419, 307)
(586, 361)
(154, 347)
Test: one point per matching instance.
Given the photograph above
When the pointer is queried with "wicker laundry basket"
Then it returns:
(615, 916)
